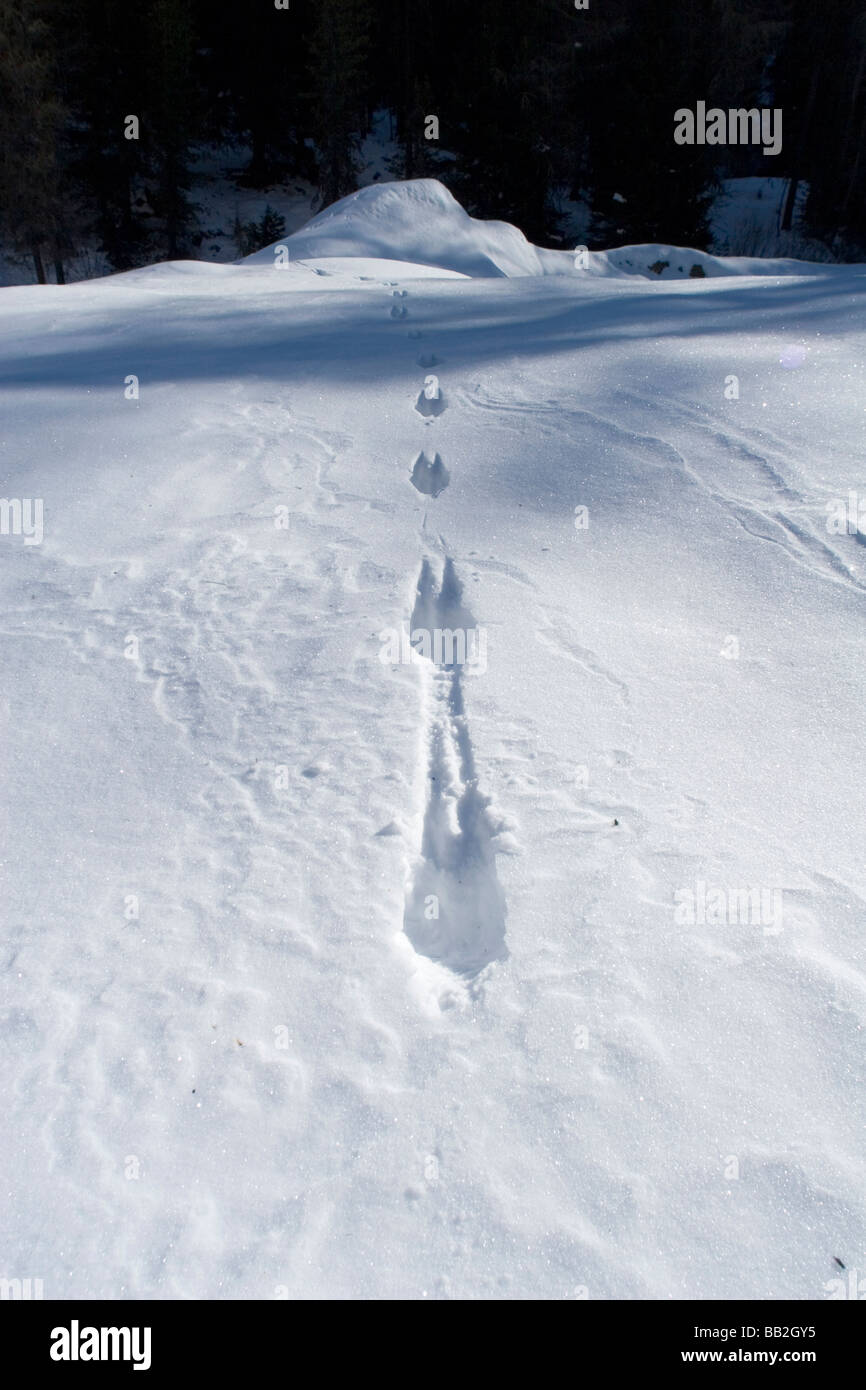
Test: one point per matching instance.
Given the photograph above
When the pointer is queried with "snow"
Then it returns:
(422, 220)
(242, 1061)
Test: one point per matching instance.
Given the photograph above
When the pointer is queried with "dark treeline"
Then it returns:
(102, 103)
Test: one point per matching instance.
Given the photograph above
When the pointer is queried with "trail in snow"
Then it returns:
(455, 907)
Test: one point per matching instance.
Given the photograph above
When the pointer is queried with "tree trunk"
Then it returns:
(855, 174)
(58, 269)
(38, 263)
(171, 191)
(858, 142)
(791, 198)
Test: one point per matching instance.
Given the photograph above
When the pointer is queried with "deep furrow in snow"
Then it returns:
(455, 908)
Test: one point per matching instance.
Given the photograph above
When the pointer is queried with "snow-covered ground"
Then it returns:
(531, 970)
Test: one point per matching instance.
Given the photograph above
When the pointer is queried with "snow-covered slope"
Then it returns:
(244, 1056)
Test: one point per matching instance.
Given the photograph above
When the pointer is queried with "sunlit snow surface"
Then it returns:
(238, 1059)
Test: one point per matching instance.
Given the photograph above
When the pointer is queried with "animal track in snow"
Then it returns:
(430, 400)
(430, 478)
(455, 908)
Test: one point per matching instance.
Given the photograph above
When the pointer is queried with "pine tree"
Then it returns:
(253, 236)
(852, 209)
(407, 37)
(35, 198)
(254, 77)
(647, 65)
(822, 84)
(170, 115)
(510, 81)
(339, 91)
(104, 43)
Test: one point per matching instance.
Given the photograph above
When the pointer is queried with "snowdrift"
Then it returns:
(421, 223)
(417, 221)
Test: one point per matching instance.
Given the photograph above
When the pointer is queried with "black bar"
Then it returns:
(227, 1338)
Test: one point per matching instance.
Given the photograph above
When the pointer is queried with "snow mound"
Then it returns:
(421, 223)
(417, 221)
(654, 261)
